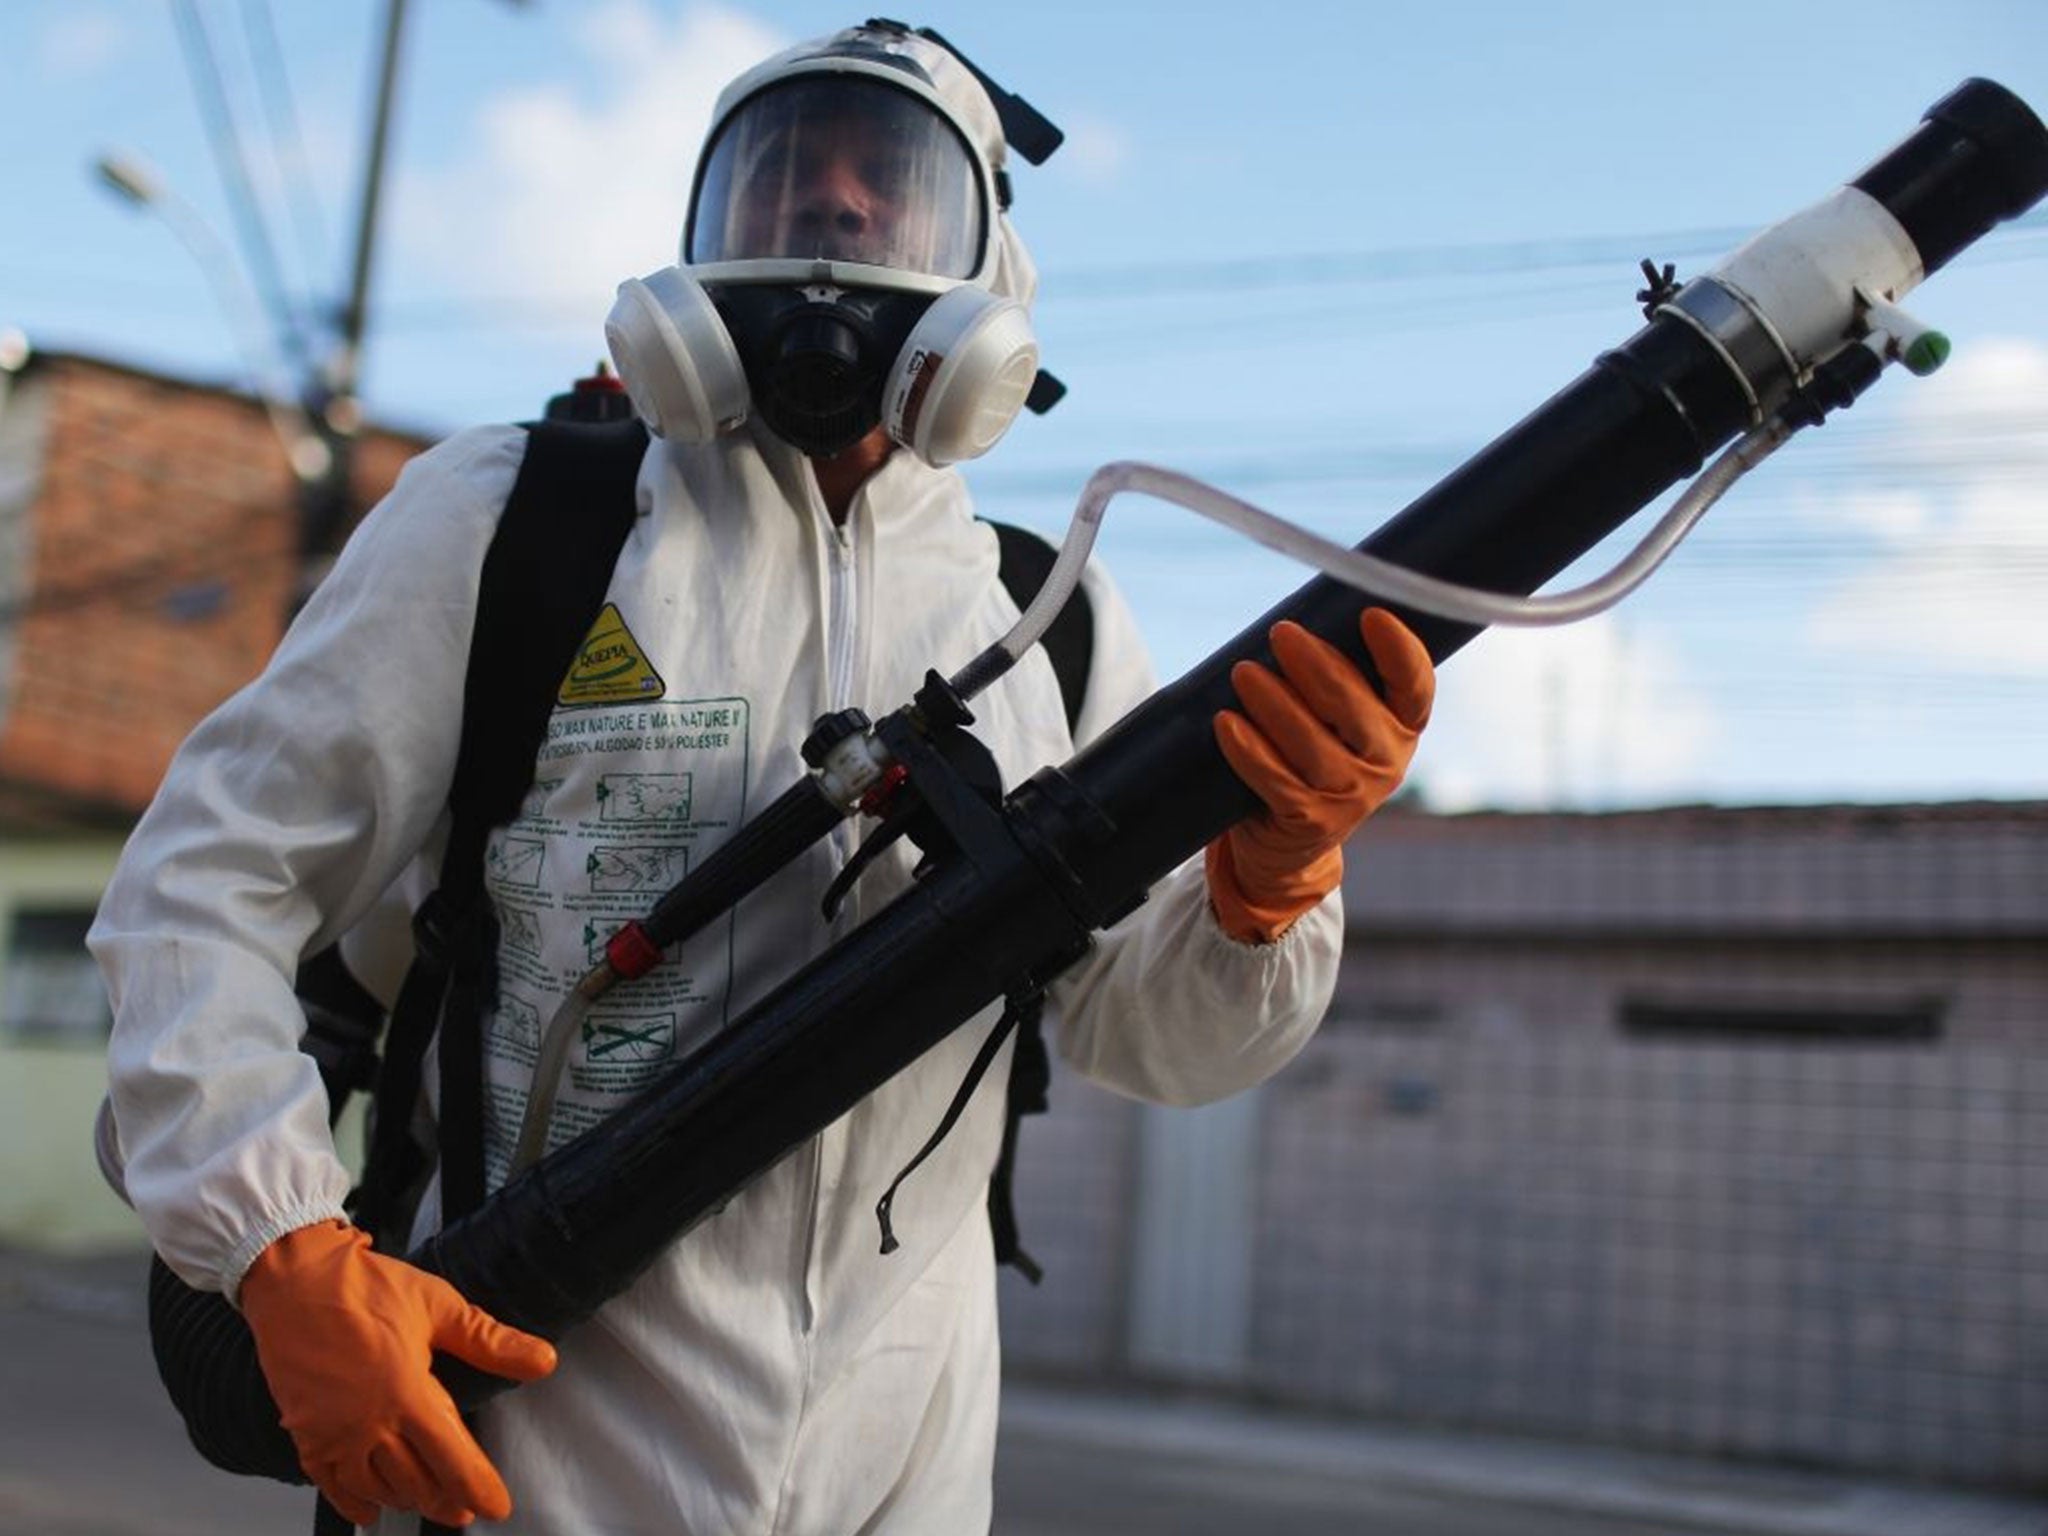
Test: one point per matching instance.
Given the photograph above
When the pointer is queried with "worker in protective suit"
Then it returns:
(799, 551)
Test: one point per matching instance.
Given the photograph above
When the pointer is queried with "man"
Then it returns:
(775, 1372)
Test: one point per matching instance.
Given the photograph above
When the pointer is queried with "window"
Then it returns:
(1762, 1019)
(50, 990)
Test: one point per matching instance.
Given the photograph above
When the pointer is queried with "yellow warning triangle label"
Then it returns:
(609, 665)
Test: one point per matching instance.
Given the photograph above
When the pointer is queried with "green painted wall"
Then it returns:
(52, 1196)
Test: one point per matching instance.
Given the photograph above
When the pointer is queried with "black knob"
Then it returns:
(830, 731)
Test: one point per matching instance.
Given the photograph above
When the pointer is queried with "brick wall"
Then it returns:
(158, 558)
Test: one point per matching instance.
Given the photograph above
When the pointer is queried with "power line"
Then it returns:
(1311, 464)
(225, 138)
(1291, 272)
(1492, 258)
(287, 142)
(426, 314)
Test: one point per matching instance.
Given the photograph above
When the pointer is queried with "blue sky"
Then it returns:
(1317, 253)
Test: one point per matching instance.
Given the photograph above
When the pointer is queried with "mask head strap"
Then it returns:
(1025, 129)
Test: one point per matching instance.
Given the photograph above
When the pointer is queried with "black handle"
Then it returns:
(797, 818)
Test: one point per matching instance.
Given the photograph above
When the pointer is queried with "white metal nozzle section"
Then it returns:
(852, 768)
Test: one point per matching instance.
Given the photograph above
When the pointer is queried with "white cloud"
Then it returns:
(81, 41)
(1962, 585)
(1892, 515)
(1096, 150)
(1999, 382)
(1969, 595)
(562, 195)
(1594, 713)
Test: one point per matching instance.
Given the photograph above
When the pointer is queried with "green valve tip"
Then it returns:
(1927, 352)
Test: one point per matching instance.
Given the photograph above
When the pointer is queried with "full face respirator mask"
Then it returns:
(843, 264)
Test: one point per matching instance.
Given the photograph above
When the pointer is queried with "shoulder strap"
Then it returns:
(543, 580)
(1070, 641)
(1069, 644)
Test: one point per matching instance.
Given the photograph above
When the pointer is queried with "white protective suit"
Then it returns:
(775, 1372)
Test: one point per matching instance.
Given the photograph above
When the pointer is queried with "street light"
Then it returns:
(307, 452)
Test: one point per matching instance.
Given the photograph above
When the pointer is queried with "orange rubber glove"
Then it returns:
(345, 1338)
(1323, 750)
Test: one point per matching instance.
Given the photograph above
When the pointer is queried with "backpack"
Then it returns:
(540, 591)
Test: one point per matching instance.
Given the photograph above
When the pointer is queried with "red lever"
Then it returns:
(876, 800)
(630, 953)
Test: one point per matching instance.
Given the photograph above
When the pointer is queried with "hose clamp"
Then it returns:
(1743, 337)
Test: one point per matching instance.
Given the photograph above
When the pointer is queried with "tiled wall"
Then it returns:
(1516, 1215)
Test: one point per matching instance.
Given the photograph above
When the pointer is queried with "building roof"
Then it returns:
(24, 359)
(1965, 869)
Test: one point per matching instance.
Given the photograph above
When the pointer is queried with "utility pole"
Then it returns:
(317, 415)
(326, 500)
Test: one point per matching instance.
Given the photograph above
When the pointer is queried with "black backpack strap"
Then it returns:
(1070, 641)
(1069, 644)
(1030, 1077)
(543, 581)
(1012, 1014)
(395, 1163)
(343, 1021)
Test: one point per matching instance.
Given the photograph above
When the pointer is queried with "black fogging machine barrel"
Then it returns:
(1075, 847)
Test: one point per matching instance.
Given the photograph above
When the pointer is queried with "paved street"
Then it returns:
(88, 1444)
(1090, 1465)
(1064, 1488)
(89, 1447)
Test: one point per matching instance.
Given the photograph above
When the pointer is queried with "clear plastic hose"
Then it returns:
(1381, 578)
(547, 1073)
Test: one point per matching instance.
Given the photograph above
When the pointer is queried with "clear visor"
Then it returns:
(840, 168)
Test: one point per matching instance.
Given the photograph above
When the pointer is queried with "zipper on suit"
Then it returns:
(842, 626)
(842, 617)
(842, 629)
